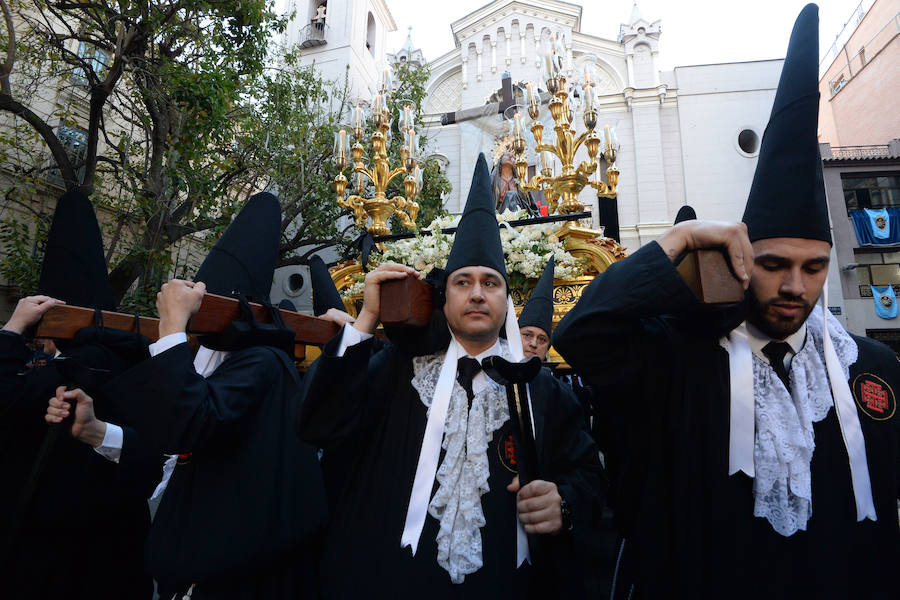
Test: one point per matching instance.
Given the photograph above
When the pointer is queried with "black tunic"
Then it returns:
(89, 516)
(243, 510)
(689, 527)
(364, 412)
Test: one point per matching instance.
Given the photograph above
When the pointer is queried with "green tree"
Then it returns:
(161, 80)
(284, 143)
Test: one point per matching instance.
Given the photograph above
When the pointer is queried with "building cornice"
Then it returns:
(442, 65)
(583, 41)
(564, 12)
(384, 14)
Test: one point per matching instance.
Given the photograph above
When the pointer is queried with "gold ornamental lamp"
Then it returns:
(379, 207)
(562, 190)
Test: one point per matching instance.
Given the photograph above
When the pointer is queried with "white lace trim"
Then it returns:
(784, 442)
(463, 474)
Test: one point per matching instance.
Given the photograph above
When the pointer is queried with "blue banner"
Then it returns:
(879, 222)
(875, 227)
(885, 301)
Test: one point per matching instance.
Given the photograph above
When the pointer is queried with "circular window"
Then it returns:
(748, 142)
(293, 285)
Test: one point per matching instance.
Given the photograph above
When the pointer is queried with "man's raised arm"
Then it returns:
(600, 336)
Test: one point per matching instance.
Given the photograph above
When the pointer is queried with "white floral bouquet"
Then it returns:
(527, 249)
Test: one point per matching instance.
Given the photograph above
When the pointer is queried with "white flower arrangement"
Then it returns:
(527, 250)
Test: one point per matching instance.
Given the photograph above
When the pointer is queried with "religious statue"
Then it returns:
(505, 184)
(319, 19)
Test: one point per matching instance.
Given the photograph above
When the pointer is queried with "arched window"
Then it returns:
(370, 34)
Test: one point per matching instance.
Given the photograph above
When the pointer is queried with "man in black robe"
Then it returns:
(757, 459)
(422, 451)
(536, 319)
(74, 527)
(241, 514)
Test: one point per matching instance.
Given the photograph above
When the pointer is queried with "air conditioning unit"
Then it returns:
(293, 283)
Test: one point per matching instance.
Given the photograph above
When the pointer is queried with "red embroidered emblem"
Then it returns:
(509, 450)
(874, 396)
(506, 448)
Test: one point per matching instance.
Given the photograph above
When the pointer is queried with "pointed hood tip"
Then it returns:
(789, 180)
(324, 293)
(538, 311)
(477, 241)
(685, 213)
(74, 266)
(243, 260)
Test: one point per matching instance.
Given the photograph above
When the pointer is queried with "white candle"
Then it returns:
(532, 96)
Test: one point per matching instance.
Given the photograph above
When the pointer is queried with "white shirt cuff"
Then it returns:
(164, 343)
(351, 336)
(111, 447)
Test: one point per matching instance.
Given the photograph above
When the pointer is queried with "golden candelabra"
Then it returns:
(379, 208)
(562, 190)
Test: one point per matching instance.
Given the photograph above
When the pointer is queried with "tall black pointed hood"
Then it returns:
(477, 241)
(538, 311)
(74, 268)
(243, 260)
(325, 294)
(685, 213)
(787, 198)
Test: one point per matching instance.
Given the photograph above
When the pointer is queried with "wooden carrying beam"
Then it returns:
(216, 312)
(708, 275)
(406, 302)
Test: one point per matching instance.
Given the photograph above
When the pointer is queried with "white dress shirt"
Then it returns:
(758, 340)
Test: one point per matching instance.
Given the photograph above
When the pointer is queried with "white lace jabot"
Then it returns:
(784, 441)
(463, 474)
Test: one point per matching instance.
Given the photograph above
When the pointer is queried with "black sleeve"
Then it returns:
(608, 328)
(140, 466)
(572, 462)
(572, 457)
(13, 357)
(340, 395)
(177, 411)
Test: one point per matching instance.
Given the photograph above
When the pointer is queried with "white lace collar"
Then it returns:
(463, 474)
(784, 441)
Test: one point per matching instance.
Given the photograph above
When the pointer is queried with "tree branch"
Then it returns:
(46, 132)
(7, 67)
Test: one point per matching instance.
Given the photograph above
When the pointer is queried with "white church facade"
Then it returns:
(690, 135)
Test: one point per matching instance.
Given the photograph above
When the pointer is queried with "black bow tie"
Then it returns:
(466, 370)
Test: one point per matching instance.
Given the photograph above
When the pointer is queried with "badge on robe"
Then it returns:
(885, 301)
(506, 449)
(880, 222)
(874, 397)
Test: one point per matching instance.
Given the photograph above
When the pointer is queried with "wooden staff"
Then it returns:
(216, 312)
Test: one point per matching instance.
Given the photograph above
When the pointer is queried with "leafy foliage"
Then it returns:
(23, 246)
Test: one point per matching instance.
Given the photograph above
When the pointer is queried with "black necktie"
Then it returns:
(466, 370)
(775, 352)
